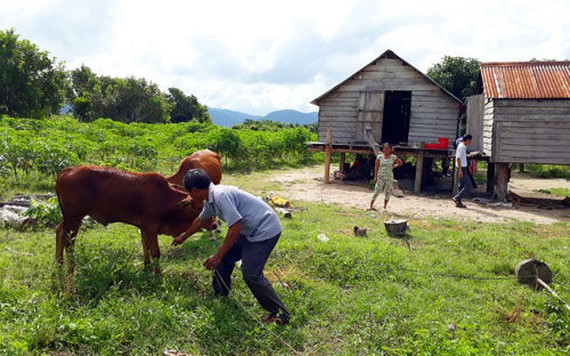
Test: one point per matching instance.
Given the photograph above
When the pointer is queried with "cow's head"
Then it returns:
(180, 217)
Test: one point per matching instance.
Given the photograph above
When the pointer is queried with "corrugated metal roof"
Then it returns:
(526, 80)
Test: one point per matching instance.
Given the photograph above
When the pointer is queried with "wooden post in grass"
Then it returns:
(501, 183)
(328, 153)
(419, 171)
(490, 177)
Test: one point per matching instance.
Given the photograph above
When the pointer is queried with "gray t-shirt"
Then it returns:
(258, 220)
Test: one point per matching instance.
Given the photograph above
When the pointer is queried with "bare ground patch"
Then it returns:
(307, 185)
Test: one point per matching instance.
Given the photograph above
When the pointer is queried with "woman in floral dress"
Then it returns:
(384, 175)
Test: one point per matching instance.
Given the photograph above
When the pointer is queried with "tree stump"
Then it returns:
(528, 271)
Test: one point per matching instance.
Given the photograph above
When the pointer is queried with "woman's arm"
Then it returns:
(397, 163)
(376, 164)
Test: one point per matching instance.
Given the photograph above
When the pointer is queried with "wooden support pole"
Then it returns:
(455, 177)
(419, 172)
(501, 185)
(328, 153)
(490, 177)
(341, 161)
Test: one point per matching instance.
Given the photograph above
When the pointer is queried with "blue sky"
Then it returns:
(259, 56)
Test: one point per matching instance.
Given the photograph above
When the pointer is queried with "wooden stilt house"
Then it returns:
(523, 116)
(396, 103)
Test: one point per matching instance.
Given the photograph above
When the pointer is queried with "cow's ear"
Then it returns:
(188, 203)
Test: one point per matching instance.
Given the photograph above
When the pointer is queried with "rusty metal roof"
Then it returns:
(526, 80)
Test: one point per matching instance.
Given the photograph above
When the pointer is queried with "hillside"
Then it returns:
(228, 118)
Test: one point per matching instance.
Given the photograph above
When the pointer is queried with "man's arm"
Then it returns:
(458, 165)
(196, 226)
(231, 237)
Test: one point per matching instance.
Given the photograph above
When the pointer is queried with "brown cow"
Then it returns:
(208, 160)
(145, 200)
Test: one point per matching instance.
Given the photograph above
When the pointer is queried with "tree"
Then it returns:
(137, 100)
(460, 76)
(187, 108)
(121, 99)
(31, 83)
(227, 143)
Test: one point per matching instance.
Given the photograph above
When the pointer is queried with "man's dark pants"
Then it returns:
(465, 185)
(253, 255)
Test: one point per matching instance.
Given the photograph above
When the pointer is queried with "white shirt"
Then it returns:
(461, 153)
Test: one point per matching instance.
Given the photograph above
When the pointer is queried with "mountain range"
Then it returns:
(228, 118)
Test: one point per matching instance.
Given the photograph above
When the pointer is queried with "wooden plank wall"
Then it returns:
(475, 121)
(488, 120)
(433, 112)
(532, 131)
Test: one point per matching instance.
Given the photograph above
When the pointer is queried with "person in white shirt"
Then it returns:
(465, 182)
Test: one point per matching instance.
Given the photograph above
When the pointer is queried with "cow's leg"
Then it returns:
(65, 234)
(59, 243)
(146, 251)
(151, 249)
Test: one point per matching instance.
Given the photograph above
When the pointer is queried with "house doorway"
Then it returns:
(396, 121)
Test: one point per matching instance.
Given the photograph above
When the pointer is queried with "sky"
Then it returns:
(259, 56)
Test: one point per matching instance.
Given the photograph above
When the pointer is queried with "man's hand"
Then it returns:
(179, 239)
(212, 262)
(461, 174)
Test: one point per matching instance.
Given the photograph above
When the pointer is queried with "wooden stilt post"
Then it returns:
(419, 172)
(455, 176)
(341, 161)
(328, 153)
(501, 185)
(490, 177)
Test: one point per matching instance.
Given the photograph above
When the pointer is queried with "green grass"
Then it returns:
(548, 170)
(350, 295)
(564, 192)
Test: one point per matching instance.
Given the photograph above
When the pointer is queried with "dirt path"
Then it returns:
(307, 184)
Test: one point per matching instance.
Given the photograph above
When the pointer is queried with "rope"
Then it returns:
(459, 276)
(255, 318)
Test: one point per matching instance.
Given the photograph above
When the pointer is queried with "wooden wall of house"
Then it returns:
(474, 113)
(433, 113)
(488, 119)
(531, 131)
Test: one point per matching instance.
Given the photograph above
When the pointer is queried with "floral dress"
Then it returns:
(385, 176)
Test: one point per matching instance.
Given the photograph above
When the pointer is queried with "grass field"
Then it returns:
(451, 290)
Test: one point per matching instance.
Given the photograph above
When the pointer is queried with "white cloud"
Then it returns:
(258, 56)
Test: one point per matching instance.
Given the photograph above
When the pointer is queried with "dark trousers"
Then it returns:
(253, 255)
(465, 184)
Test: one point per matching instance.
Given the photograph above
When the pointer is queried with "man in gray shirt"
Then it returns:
(253, 232)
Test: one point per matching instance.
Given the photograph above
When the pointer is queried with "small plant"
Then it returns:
(559, 320)
(46, 214)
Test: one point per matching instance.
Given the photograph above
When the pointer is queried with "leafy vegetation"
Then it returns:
(451, 291)
(29, 147)
(31, 83)
(34, 85)
(460, 76)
